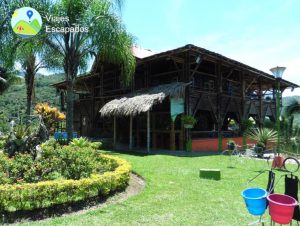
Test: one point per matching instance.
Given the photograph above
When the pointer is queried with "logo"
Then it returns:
(26, 22)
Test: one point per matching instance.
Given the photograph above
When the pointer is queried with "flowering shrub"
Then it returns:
(53, 162)
(29, 196)
(50, 115)
(59, 174)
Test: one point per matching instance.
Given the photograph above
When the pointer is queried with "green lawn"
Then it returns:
(175, 195)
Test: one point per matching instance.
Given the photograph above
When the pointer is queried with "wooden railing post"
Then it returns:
(148, 131)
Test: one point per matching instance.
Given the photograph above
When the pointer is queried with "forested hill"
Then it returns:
(14, 99)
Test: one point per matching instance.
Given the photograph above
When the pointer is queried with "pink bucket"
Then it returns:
(281, 208)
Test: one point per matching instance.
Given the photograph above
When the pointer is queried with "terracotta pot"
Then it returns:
(278, 162)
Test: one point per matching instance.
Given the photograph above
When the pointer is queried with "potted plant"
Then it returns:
(231, 145)
(263, 137)
(259, 149)
(188, 121)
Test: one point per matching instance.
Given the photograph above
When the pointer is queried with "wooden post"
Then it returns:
(243, 107)
(137, 132)
(148, 131)
(130, 133)
(92, 120)
(243, 95)
(186, 78)
(261, 119)
(219, 105)
(153, 131)
(181, 138)
(172, 136)
(115, 132)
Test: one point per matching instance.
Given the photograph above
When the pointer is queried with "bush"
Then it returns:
(24, 138)
(53, 162)
(84, 142)
(50, 115)
(2, 144)
(48, 193)
(18, 167)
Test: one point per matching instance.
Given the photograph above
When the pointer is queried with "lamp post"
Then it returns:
(278, 72)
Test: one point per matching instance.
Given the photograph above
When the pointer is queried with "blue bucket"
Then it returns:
(256, 201)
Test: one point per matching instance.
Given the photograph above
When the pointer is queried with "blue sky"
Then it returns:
(260, 33)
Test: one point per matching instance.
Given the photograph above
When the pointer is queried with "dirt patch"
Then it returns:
(136, 185)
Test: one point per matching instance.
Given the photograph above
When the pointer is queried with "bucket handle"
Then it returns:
(274, 185)
(260, 173)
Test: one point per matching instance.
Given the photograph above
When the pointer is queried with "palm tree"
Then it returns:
(31, 61)
(291, 107)
(106, 39)
(26, 52)
(7, 79)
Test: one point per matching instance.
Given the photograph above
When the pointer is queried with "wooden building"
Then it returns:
(213, 88)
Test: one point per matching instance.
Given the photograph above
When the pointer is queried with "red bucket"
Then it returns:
(281, 208)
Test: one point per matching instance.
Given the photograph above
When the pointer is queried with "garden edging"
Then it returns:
(48, 193)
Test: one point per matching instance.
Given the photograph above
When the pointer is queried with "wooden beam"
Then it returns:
(148, 131)
(226, 109)
(202, 73)
(115, 132)
(219, 102)
(147, 72)
(196, 69)
(172, 136)
(260, 104)
(186, 78)
(181, 136)
(243, 92)
(138, 142)
(176, 59)
(229, 74)
(248, 87)
(212, 109)
(197, 104)
(153, 123)
(166, 73)
(130, 133)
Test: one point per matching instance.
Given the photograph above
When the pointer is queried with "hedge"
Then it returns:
(48, 193)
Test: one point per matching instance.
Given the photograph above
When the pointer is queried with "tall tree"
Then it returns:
(289, 110)
(105, 39)
(6, 79)
(26, 52)
(291, 107)
(31, 62)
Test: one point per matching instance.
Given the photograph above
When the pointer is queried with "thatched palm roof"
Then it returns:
(143, 100)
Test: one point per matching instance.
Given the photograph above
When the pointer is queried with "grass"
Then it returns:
(175, 195)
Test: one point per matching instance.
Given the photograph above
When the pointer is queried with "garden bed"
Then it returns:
(135, 185)
(59, 174)
(29, 196)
